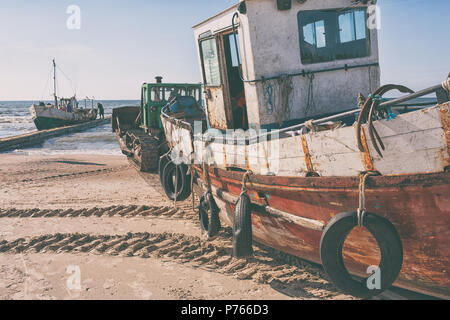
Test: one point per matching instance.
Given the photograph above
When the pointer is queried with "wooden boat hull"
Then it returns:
(417, 205)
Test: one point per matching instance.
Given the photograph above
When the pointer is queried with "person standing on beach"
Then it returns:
(101, 110)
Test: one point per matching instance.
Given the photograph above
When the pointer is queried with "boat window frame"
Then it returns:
(333, 44)
(200, 40)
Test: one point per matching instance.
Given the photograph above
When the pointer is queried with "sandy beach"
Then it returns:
(92, 227)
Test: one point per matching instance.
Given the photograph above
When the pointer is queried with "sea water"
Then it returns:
(15, 119)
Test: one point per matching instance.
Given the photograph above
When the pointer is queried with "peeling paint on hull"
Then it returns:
(418, 206)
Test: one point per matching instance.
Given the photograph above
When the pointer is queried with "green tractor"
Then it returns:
(139, 129)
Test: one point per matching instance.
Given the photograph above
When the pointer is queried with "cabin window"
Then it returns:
(235, 52)
(170, 93)
(210, 60)
(333, 35)
(155, 94)
(144, 96)
(314, 34)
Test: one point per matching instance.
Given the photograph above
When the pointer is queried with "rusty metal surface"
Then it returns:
(125, 117)
(216, 111)
(445, 119)
(418, 206)
(305, 148)
(367, 159)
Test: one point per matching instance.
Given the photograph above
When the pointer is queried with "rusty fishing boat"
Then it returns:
(64, 111)
(299, 149)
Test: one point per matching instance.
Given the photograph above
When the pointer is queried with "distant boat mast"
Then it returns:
(54, 84)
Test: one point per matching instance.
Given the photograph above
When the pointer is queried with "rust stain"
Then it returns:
(216, 110)
(445, 120)
(367, 159)
(247, 162)
(225, 155)
(308, 161)
(266, 156)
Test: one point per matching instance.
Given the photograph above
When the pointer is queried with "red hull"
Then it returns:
(417, 205)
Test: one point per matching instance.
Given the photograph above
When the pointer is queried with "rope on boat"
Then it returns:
(245, 179)
(361, 212)
(285, 87)
(311, 105)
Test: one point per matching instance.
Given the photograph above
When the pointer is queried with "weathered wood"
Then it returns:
(416, 142)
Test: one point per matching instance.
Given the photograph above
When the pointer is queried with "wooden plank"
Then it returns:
(335, 153)
(414, 143)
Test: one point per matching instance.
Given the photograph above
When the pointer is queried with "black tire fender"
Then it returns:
(389, 243)
(210, 225)
(242, 228)
(162, 163)
(184, 186)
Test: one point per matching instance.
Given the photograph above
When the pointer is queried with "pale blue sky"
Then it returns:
(124, 43)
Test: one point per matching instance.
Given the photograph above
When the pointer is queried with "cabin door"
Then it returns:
(224, 89)
(210, 51)
(234, 94)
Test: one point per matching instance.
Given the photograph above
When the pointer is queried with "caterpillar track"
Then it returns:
(142, 148)
(138, 145)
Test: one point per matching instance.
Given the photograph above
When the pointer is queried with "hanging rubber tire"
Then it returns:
(168, 179)
(242, 228)
(331, 246)
(210, 225)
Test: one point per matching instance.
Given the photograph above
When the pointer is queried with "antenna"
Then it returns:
(54, 84)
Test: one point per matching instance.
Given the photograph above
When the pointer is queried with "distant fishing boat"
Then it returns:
(64, 111)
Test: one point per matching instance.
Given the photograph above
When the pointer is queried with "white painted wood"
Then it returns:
(335, 153)
(415, 143)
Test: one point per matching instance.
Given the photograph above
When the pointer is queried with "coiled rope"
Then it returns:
(285, 89)
(310, 105)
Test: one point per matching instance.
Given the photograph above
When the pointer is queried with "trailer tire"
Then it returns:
(162, 164)
(183, 186)
(331, 247)
(242, 228)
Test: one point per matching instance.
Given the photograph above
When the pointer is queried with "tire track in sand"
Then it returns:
(284, 273)
(77, 174)
(111, 211)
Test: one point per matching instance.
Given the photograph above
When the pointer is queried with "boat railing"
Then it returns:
(177, 122)
(267, 135)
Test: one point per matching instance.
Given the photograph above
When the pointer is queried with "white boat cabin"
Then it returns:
(300, 59)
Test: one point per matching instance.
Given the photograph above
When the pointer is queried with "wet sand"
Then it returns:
(92, 227)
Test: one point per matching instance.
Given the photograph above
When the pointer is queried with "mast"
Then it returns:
(54, 84)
